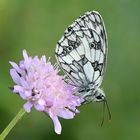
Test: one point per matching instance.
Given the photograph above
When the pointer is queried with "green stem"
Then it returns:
(12, 124)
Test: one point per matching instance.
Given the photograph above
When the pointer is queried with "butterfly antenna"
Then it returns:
(102, 122)
(109, 113)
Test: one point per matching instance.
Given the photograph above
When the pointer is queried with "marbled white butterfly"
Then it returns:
(82, 54)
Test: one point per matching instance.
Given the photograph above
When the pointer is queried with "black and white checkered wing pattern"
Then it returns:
(82, 50)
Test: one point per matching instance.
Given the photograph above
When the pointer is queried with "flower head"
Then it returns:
(39, 84)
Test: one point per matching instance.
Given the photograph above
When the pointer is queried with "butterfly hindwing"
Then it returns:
(81, 52)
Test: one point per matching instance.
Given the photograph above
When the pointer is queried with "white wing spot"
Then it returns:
(74, 75)
(96, 36)
(98, 30)
(64, 43)
(60, 60)
(101, 57)
(75, 55)
(86, 48)
(65, 67)
(89, 71)
(92, 55)
(60, 50)
(97, 55)
(82, 76)
(68, 59)
(96, 75)
(80, 49)
(97, 18)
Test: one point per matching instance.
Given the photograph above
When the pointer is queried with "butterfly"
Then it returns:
(82, 54)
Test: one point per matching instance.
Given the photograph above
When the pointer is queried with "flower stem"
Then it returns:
(12, 123)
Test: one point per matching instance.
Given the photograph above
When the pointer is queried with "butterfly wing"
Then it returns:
(82, 50)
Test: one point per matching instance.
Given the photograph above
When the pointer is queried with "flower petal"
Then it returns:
(25, 55)
(28, 106)
(15, 76)
(57, 125)
(66, 114)
(18, 89)
(39, 107)
(15, 66)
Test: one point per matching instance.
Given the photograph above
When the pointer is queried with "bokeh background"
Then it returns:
(36, 26)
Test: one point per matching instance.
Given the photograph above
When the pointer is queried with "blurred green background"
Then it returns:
(36, 26)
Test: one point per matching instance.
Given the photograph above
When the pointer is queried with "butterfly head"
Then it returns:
(99, 95)
(90, 95)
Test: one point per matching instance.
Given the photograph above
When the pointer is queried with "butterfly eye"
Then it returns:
(99, 97)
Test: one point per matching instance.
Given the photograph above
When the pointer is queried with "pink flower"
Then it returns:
(39, 84)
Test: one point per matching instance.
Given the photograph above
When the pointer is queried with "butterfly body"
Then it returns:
(81, 53)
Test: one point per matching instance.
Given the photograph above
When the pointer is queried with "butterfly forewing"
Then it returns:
(82, 50)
